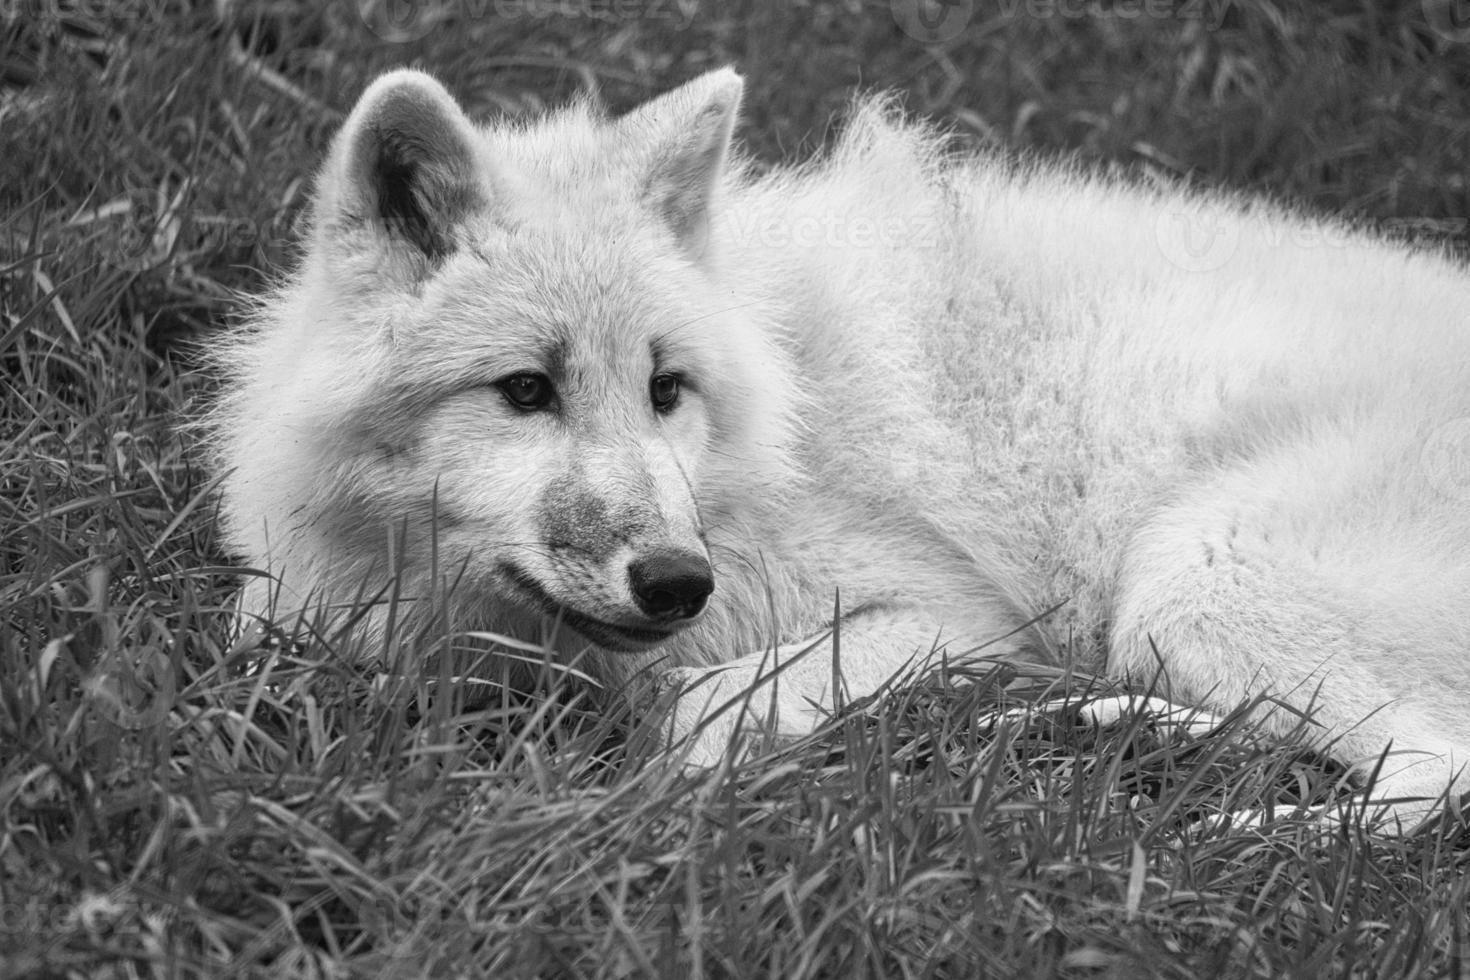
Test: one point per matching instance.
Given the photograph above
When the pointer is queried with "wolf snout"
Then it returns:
(671, 584)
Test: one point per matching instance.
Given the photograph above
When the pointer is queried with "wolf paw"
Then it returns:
(717, 709)
(1103, 712)
(701, 726)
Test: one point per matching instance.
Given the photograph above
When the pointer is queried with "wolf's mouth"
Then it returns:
(613, 636)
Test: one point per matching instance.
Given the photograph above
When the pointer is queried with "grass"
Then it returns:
(177, 801)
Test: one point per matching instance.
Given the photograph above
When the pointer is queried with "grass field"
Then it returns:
(175, 802)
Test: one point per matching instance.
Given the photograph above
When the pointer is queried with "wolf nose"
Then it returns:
(671, 584)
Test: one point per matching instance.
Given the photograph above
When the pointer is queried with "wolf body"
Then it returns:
(598, 370)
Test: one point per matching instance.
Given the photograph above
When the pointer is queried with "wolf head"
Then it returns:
(511, 360)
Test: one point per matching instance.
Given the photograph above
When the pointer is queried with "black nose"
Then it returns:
(671, 584)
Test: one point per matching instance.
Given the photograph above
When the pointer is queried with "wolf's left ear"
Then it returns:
(402, 168)
(688, 131)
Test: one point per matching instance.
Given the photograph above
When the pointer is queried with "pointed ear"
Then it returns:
(402, 169)
(687, 132)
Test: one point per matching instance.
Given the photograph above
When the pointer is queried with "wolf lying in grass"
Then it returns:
(597, 371)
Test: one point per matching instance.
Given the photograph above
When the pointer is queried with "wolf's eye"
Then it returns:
(664, 390)
(527, 391)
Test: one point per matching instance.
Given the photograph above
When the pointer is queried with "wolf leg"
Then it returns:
(790, 689)
(1343, 592)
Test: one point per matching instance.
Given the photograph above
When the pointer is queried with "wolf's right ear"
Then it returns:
(687, 131)
(402, 169)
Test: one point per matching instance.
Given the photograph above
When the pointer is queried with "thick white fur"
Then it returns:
(961, 391)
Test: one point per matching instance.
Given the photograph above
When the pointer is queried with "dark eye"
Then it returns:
(527, 391)
(664, 390)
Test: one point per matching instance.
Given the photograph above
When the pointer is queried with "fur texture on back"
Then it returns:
(597, 370)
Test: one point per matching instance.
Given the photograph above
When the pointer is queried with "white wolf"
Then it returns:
(598, 370)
